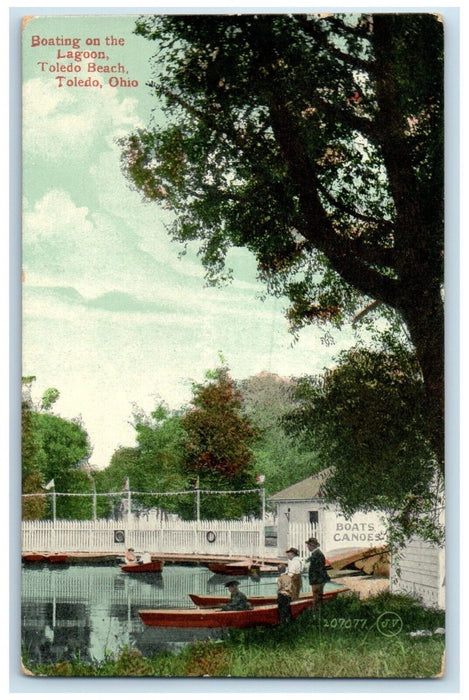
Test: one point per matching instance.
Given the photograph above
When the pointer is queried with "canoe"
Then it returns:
(213, 617)
(151, 567)
(212, 601)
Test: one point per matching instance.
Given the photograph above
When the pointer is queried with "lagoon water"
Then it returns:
(89, 612)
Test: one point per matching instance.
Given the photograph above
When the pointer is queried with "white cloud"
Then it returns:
(59, 124)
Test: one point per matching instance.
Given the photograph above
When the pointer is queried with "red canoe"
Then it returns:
(212, 601)
(151, 567)
(212, 617)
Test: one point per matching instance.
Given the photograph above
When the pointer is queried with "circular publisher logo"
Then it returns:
(389, 624)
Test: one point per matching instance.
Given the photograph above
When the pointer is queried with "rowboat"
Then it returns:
(212, 601)
(246, 567)
(151, 567)
(35, 558)
(213, 617)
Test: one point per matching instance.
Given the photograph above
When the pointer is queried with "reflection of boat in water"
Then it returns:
(211, 601)
(152, 567)
(213, 617)
(244, 567)
(36, 558)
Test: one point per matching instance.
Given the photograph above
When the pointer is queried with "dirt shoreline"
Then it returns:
(365, 586)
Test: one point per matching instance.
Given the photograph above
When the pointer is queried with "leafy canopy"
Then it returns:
(316, 142)
(365, 419)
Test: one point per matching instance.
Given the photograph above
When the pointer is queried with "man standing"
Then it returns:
(317, 573)
(238, 600)
(284, 592)
(294, 569)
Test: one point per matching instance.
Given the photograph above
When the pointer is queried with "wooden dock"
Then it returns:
(193, 559)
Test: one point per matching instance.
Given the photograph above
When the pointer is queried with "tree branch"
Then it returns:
(317, 227)
(310, 27)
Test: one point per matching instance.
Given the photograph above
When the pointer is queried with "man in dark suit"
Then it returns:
(317, 573)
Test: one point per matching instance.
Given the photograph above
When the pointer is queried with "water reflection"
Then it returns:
(87, 612)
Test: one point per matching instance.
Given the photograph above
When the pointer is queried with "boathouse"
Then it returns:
(302, 511)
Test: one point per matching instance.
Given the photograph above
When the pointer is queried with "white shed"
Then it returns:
(302, 508)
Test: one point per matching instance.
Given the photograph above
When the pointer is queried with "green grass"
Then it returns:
(349, 638)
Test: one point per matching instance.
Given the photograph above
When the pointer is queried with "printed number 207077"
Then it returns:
(345, 623)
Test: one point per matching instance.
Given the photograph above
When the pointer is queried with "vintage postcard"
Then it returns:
(233, 449)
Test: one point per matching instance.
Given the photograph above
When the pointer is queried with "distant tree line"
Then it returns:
(365, 418)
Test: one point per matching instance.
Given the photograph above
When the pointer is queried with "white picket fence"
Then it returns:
(219, 537)
(298, 533)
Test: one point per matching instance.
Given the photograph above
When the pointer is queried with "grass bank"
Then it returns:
(389, 636)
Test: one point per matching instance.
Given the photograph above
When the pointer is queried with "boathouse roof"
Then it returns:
(304, 490)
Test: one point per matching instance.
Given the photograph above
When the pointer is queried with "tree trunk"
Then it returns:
(425, 322)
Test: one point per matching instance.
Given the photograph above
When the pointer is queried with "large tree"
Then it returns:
(218, 444)
(316, 141)
(52, 448)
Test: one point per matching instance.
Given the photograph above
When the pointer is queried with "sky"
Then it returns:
(112, 315)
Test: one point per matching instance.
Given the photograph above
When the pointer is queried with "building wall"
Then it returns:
(419, 570)
(335, 531)
(361, 530)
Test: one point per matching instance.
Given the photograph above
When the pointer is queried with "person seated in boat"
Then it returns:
(294, 570)
(130, 556)
(238, 600)
(284, 594)
(146, 558)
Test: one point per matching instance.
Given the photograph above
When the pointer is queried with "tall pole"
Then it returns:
(94, 502)
(262, 494)
(53, 505)
(94, 508)
(197, 499)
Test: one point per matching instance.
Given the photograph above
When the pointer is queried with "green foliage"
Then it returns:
(279, 456)
(49, 397)
(217, 449)
(73, 507)
(339, 199)
(366, 419)
(52, 448)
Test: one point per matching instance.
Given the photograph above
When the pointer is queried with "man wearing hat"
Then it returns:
(238, 600)
(294, 569)
(317, 573)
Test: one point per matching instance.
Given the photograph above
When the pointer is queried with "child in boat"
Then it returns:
(238, 600)
(284, 594)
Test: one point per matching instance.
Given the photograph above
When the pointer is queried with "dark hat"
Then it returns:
(294, 550)
(231, 583)
(313, 541)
